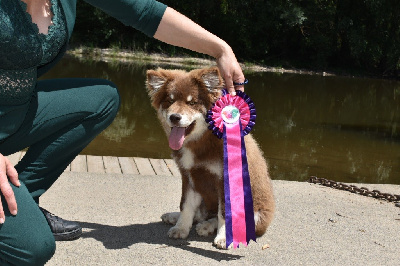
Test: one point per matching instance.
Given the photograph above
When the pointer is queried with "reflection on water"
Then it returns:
(346, 129)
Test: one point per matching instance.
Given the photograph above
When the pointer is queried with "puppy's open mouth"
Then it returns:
(178, 134)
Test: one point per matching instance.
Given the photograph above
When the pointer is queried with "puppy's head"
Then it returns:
(182, 100)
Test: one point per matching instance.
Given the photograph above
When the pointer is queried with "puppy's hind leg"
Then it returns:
(207, 228)
(170, 217)
(185, 221)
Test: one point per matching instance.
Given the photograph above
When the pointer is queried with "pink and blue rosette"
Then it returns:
(231, 118)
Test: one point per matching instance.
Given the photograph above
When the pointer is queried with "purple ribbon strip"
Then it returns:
(239, 212)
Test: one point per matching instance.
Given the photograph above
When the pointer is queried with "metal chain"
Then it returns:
(354, 189)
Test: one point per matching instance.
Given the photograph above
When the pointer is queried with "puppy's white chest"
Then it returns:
(187, 159)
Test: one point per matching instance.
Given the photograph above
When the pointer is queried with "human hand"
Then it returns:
(178, 30)
(231, 71)
(7, 172)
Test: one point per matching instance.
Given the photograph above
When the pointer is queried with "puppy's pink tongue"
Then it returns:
(176, 138)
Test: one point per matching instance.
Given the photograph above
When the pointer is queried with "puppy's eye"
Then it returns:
(170, 101)
(192, 102)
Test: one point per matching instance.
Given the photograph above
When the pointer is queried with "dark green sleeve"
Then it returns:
(144, 15)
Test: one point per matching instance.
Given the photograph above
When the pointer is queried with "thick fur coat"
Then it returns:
(182, 100)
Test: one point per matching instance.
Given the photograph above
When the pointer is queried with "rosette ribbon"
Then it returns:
(231, 118)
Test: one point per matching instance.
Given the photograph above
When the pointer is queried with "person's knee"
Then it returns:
(115, 99)
(31, 252)
(25, 239)
(111, 100)
(42, 253)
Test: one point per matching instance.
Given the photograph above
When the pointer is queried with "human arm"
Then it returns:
(167, 25)
(7, 172)
(178, 30)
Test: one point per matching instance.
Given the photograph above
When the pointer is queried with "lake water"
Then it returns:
(342, 128)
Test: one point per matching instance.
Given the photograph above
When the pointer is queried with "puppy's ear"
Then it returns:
(154, 82)
(212, 79)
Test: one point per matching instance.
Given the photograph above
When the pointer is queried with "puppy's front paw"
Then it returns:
(178, 232)
(170, 217)
(207, 228)
(220, 239)
(220, 242)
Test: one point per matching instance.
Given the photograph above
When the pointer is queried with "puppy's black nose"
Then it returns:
(175, 118)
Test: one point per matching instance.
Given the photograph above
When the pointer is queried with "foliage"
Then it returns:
(357, 35)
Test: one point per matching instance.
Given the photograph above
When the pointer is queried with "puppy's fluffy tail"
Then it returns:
(264, 212)
(263, 220)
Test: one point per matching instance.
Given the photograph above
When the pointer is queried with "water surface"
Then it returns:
(342, 128)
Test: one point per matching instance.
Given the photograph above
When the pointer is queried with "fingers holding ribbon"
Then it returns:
(231, 72)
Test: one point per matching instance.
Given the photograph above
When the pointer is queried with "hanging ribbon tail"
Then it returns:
(239, 212)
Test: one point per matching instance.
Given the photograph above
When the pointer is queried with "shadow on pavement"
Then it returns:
(119, 237)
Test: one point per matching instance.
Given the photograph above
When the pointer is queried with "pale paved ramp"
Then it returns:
(314, 225)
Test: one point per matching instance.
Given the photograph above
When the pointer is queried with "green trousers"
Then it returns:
(62, 118)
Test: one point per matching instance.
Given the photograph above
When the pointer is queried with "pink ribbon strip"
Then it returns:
(234, 154)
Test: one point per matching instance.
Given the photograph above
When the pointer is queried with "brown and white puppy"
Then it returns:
(182, 100)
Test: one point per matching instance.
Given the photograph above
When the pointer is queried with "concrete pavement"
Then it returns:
(314, 225)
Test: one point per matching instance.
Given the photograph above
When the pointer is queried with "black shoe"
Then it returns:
(63, 230)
